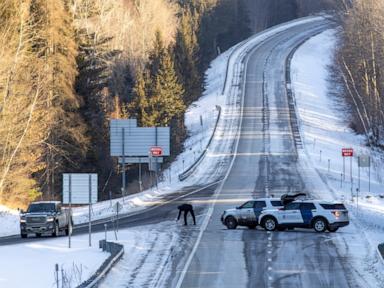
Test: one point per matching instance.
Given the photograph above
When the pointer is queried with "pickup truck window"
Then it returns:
(41, 207)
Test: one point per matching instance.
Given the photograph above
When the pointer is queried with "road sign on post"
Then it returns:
(156, 151)
(137, 140)
(79, 188)
(347, 152)
(132, 144)
(364, 161)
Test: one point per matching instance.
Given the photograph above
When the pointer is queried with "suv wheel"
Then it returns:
(230, 222)
(269, 224)
(319, 225)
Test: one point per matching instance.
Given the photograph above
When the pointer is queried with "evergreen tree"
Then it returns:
(139, 106)
(65, 142)
(156, 55)
(166, 100)
(186, 57)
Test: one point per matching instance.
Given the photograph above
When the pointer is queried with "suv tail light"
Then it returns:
(336, 213)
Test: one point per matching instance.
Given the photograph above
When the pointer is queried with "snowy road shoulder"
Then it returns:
(325, 131)
(32, 264)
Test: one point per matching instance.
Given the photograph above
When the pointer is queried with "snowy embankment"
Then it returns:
(32, 264)
(325, 131)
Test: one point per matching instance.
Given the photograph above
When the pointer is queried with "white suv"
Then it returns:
(248, 213)
(316, 214)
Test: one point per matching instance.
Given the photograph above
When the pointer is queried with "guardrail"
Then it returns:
(192, 168)
(117, 251)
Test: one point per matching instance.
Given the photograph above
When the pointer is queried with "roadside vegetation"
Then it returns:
(68, 66)
(359, 65)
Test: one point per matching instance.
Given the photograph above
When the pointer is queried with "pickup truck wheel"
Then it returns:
(319, 224)
(38, 235)
(230, 222)
(269, 224)
(23, 235)
(55, 232)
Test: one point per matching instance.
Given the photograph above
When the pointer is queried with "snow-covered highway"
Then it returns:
(253, 154)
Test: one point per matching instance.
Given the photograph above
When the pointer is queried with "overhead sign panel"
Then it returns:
(80, 184)
(137, 141)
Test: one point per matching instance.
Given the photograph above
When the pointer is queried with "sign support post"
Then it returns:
(343, 168)
(140, 182)
(90, 208)
(358, 173)
(156, 175)
(369, 175)
(123, 164)
(351, 177)
(348, 152)
(70, 210)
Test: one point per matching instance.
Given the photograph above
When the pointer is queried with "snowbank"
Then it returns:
(32, 265)
(324, 131)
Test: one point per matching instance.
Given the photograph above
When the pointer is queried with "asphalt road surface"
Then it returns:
(265, 165)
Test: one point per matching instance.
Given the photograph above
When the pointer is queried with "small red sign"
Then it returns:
(156, 151)
(347, 152)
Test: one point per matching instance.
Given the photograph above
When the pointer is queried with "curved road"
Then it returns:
(265, 164)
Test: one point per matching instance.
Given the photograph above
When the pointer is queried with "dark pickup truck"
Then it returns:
(44, 217)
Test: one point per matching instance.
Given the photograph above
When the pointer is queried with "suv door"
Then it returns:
(306, 210)
(246, 212)
(291, 213)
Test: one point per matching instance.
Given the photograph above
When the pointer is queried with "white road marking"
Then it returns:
(217, 193)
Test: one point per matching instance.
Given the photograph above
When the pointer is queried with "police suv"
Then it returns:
(248, 213)
(316, 214)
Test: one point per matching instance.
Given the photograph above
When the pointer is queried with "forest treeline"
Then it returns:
(359, 64)
(68, 66)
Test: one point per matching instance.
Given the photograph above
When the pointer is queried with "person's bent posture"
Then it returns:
(186, 208)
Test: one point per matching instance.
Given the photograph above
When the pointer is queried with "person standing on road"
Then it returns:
(186, 208)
